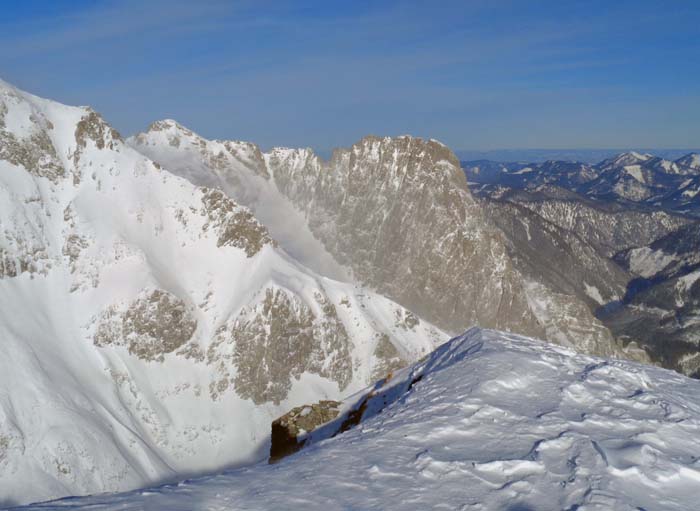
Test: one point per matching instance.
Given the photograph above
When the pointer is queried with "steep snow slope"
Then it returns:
(151, 328)
(492, 421)
(238, 168)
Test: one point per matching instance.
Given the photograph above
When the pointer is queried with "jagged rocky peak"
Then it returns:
(168, 124)
(393, 159)
(406, 149)
(48, 139)
(170, 128)
(397, 211)
(380, 157)
(25, 138)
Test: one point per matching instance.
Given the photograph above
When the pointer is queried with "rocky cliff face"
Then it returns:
(398, 213)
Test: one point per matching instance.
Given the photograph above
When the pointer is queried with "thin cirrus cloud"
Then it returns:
(64, 31)
(475, 75)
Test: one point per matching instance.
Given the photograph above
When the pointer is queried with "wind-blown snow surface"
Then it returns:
(150, 328)
(497, 422)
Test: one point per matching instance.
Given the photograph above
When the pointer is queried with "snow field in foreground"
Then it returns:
(497, 421)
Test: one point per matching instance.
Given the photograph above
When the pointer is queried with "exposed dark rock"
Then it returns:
(299, 421)
(236, 226)
(154, 324)
(34, 151)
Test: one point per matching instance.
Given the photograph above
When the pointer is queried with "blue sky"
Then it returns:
(474, 74)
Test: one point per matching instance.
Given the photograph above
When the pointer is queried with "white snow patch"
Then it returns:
(636, 172)
(646, 262)
(594, 293)
(523, 171)
(686, 281)
(690, 193)
(639, 156)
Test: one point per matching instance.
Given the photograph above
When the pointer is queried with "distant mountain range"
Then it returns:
(581, 155)
(631, 178)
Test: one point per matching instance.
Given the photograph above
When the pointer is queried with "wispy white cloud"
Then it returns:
(110, 21)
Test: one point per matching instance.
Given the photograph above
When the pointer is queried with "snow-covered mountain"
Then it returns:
(152, 328)
(690, 163)
(398, 215)
(488, 421)
(568, 175)
(164, 298)
(395, 211)
(640, 179)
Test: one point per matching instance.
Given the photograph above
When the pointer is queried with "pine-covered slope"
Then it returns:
(152, 328)
(661, 307)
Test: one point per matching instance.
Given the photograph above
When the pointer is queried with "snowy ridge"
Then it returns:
(496, 421)
(240, 170)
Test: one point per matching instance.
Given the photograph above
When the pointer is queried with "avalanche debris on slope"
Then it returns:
(496, 421)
